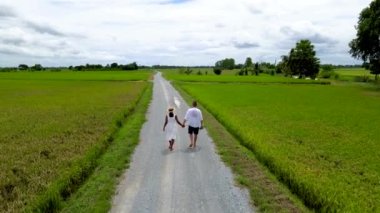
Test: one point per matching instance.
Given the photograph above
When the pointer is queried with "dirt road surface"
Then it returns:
(182, 180)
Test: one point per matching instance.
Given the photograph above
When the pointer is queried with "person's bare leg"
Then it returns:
(191, 140)
(171, 147)
(195, 140)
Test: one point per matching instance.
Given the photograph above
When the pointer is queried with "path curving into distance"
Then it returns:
(183, 180)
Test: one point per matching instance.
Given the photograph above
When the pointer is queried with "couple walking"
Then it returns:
(193, 117)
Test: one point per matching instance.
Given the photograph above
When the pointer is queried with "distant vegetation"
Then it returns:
(113, 66)
(301, 62)
(228, 63)
(267, 72)
(86, 67)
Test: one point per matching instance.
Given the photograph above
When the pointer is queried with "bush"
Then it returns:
(327, 67)
(188, 71)
(328, 74)
(199, 72)
(241, 72)
(217, 71)
(336, 76)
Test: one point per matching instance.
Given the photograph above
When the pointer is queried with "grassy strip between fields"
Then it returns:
(267, 193)
(93, 163)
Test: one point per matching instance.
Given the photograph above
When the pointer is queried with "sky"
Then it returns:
(173, 32)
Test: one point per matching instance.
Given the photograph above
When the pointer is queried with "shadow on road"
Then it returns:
(166, 151)
(192, 150)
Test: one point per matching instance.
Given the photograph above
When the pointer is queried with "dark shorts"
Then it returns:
(193, 130)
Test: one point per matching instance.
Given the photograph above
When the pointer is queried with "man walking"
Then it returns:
(195, 119)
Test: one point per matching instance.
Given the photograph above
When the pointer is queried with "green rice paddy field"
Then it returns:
(349, 74)
(322, 141)
(55, 125)
(352, 71)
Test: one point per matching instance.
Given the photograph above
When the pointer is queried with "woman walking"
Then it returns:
(170, 126)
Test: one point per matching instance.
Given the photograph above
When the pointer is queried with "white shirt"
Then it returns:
(194, 117)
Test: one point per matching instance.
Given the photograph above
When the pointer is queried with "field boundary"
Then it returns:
(52, 200)
(256, 82)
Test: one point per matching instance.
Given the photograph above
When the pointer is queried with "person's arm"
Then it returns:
(184, 120)
(179, 123)
(200, 113)
(166, 122)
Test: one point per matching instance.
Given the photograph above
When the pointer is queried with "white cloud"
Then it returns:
(182, 32)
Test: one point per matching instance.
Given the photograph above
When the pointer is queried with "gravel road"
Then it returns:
(183, 180)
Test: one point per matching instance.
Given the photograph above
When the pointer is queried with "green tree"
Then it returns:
(239, 66)
(188, 71)
(248, 62)
(282, 66)
(248, 66)
(327, 67)
(23, 67)
(257, 69)
(366, 45)
(302, 60)
(114, 65)
(217, 71)
(131, 66)
(79, 68)
(227, 63)
(37, 67)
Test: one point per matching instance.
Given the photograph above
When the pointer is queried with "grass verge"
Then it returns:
(95, 195)
(267, 193)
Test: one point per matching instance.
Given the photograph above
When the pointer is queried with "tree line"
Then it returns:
(247, 68)
(112, 66)
(301, 61)
(86, 67)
